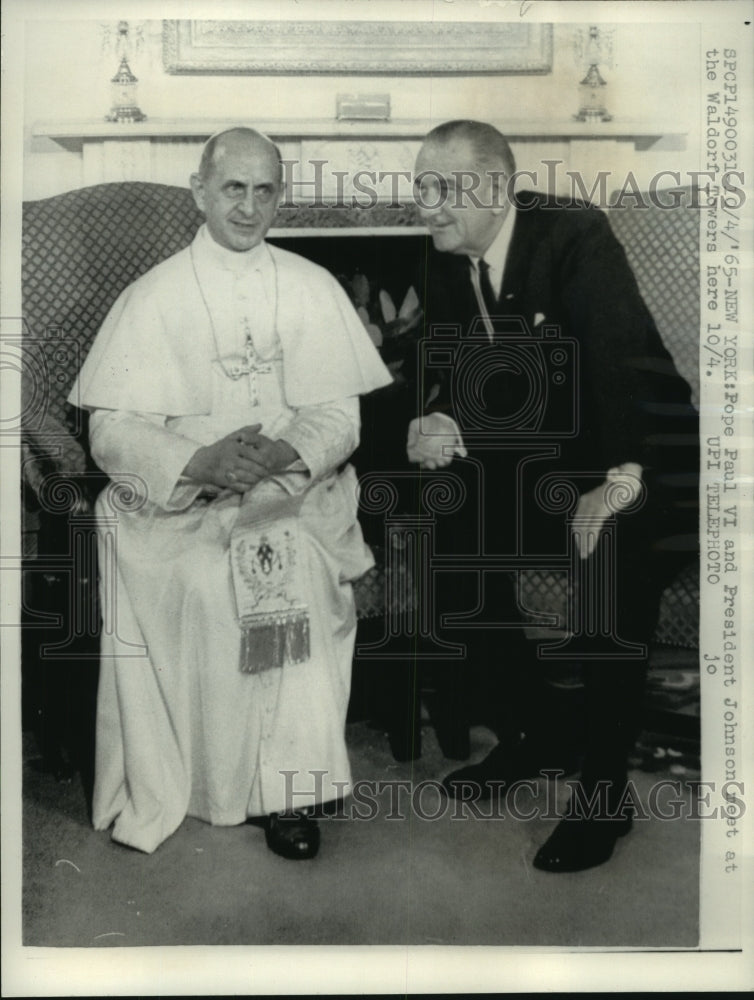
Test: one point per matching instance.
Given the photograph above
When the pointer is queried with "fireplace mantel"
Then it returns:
(166, 151)
(73, 135)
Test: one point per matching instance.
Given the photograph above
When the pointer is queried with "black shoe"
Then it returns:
(483, 780)
(580, 843)
(292, 835)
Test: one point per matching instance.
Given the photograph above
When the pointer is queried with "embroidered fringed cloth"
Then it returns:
(269, 580)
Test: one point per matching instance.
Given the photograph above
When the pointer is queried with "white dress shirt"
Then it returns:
(495, 256)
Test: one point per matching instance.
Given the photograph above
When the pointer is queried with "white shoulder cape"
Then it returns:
(154, 351)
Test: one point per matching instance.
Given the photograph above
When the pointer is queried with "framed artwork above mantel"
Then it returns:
(374, 47)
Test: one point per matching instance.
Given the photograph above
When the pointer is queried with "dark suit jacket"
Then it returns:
(618, 387)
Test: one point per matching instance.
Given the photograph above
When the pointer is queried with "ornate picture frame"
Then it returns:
(374, 47)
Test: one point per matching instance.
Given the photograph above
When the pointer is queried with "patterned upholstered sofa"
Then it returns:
(82, 248)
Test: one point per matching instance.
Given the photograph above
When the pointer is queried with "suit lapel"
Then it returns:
(519, 252)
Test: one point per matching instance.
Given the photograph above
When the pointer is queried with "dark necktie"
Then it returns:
(490, 299)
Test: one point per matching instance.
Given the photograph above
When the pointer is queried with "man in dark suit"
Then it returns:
(546, 391)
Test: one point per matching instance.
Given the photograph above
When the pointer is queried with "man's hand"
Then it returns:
(433, 441)
(240, 460)
(593, 510)
(274, 455)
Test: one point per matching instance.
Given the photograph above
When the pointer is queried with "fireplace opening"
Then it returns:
(383, 277)
(391, 264)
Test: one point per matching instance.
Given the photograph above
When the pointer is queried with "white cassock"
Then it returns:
(207, 342)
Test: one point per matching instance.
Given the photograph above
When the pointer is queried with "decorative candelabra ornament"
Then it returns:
(592, 88)
(124, 105)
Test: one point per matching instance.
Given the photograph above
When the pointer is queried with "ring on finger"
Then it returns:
(231, 476)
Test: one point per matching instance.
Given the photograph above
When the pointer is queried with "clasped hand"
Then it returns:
(433, 441)
(240, 460)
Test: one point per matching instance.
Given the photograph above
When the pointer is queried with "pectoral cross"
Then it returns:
(251, 365)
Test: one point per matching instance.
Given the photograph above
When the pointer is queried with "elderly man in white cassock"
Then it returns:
(226, 379)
